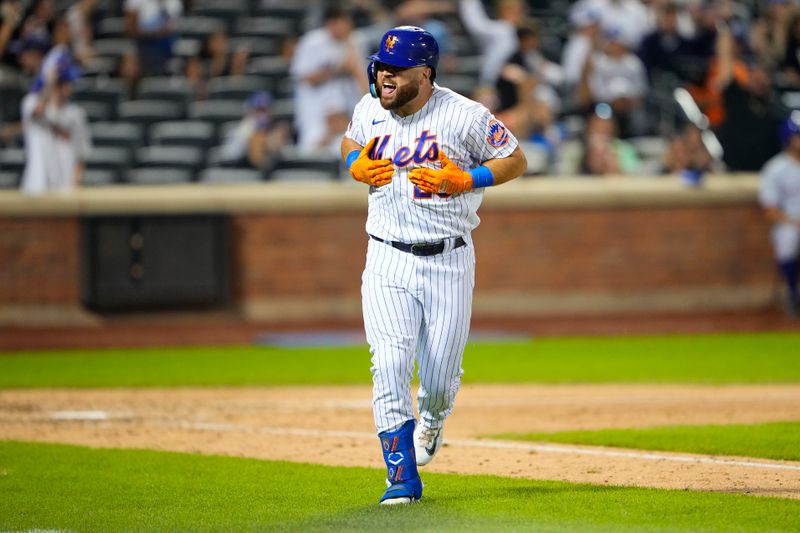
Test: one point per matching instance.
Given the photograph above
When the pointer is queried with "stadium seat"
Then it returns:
(12, 160)
(537, 156)
(291, 158)
(285, 88)
(104, 8)
(147, 112)
(11, 94)
(108, 159)
(183, 133)
(99, 177)
(217, 111)
(235, 87)
(99, 66)
(198, 27)
(9, 179)
(109, 90)
(568, 162)
(184, 157)
(216, 159)
(231, 175)
(121, 134)
(294, 15)
(460, 83)
(96, 111)
(176, 89)
(159, 176)
(262, 27)
(258, 46)
(227, 11)
(110, 27)
(283, 110)
(185, 48)
(272, 68)
(113, 46)
(468, 65)
(309, 175)
(112, 158)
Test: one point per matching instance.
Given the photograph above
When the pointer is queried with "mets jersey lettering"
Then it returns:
(463, 129)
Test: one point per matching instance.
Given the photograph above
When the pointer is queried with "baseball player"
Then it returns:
(426, 153)
(780, 196)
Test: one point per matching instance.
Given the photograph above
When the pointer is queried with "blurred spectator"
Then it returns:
(423, 13)
(627, 17)
(153, 24)
(527, 99)
(789, 62)
(30, 53)
(497, 37)
(257, 139)
(216, 58)
(704, 18)
(10, 17)
(57, 138)
(779, 194)
(582, 41)
(664, 48)
(768, 35)
(687, 152)
(79, 17)
(128, 69)
(751, 114)
(330, 76)
(604, 153)
(617, 77)
(38, 21)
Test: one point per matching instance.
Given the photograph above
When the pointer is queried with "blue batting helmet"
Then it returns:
(405, 47)
(789, 127)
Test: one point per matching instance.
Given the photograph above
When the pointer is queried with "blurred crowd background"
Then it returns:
(247, 90)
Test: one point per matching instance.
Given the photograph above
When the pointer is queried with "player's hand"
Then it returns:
(448, 180)
(374, 172)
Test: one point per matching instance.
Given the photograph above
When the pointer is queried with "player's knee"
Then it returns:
(392, 365)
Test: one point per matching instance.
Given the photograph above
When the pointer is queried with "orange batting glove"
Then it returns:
(448, 180)
(375, 172)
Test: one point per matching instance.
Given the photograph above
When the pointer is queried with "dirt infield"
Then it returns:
(333, 426)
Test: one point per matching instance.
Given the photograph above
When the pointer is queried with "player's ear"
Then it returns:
(428, 74)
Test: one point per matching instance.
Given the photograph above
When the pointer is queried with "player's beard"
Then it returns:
(402, 96)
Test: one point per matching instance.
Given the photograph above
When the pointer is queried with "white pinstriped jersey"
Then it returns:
(467, 133)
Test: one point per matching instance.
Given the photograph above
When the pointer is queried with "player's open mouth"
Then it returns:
(388, 89)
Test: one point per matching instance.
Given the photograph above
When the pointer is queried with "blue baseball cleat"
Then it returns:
(404, 484)
(402, 492)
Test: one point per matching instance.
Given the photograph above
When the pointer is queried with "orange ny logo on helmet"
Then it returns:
(390, 42)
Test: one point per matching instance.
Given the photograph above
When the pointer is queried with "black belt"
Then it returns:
(423, 248)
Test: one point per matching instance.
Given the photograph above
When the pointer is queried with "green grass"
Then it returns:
(46, 486)
(715, 359)
(778, 440)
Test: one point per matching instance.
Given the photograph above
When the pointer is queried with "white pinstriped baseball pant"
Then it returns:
(416, 308)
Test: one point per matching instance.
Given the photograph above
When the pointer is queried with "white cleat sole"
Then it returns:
(396, 501)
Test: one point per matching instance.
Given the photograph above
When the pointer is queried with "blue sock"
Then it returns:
(398, 453)
(789, 273)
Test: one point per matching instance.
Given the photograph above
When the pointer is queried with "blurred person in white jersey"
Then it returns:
(57, 139)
